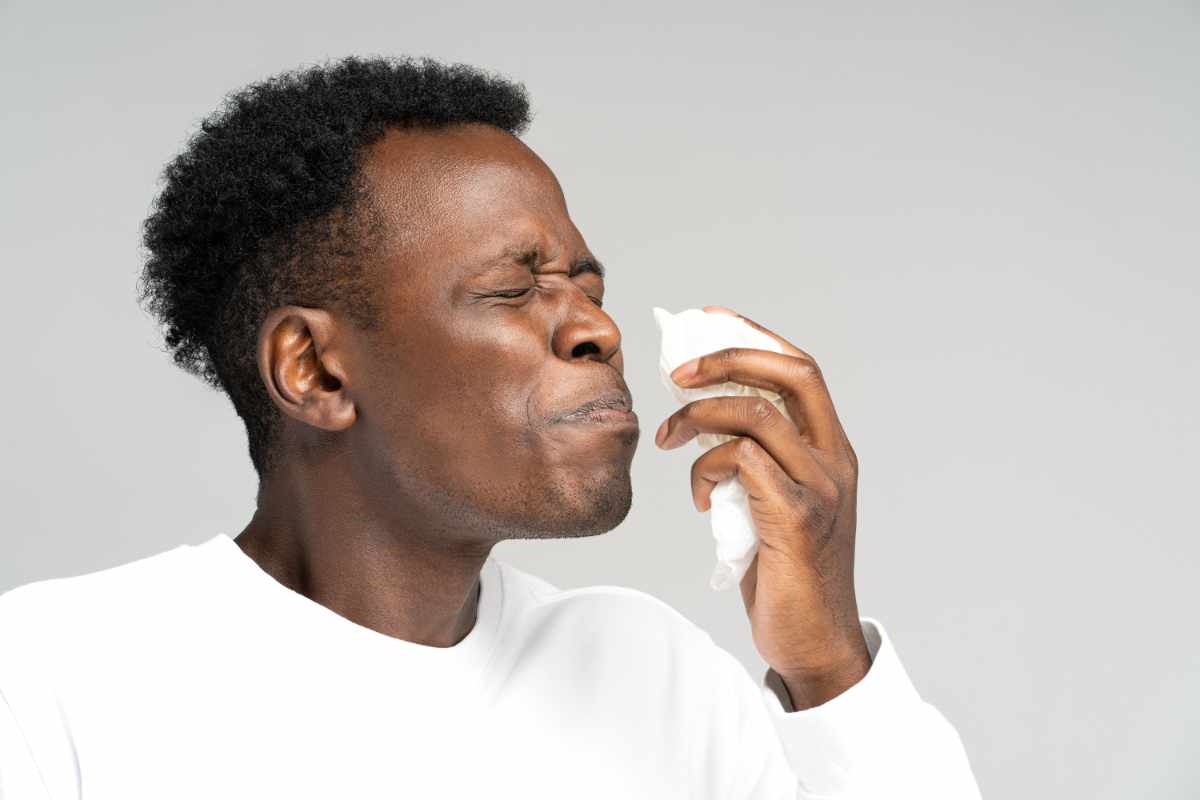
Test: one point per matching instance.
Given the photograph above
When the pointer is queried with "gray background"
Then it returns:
(982, 222)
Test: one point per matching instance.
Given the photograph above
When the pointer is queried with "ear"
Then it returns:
(301, 367)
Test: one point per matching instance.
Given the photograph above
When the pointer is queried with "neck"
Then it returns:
(406, 579)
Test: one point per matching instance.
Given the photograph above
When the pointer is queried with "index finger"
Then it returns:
(787, 346)
(796, 380)
(819, 412)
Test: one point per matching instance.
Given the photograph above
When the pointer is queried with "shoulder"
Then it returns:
(101, 598)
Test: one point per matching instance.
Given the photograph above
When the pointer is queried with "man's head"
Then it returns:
(384, 278)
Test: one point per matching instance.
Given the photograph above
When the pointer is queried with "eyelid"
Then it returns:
(512, 294)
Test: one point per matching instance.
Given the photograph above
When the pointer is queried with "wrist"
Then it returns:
(808, 688)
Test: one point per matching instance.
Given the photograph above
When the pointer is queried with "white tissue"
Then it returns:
(685, 336)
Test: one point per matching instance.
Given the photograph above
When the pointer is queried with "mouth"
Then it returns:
(612, 406)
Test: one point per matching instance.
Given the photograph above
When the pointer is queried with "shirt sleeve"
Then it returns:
(877, 739)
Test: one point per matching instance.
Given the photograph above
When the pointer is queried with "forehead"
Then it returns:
(463, 184)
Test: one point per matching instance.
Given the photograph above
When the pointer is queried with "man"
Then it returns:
(386, 282)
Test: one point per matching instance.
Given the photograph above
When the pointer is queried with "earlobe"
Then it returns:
(301, 371)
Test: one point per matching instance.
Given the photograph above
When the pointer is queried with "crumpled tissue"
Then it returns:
(685, 336)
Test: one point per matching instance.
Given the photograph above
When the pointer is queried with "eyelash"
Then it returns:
(519, 292)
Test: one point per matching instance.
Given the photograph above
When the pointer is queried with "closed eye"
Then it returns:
(519, 292)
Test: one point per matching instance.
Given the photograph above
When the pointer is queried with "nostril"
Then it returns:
(584, 348)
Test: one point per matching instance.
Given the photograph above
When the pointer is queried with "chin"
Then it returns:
(585, 508)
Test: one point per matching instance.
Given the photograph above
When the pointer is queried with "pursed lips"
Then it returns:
(615, 399)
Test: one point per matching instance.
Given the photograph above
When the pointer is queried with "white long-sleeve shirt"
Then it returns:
(193, 673)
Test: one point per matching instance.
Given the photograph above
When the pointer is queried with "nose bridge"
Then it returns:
(582, 329)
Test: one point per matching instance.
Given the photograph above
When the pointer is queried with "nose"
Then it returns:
(585, 331)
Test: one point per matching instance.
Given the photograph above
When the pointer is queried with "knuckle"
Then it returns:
(727, 358)
(760, 410)
(829, 492)
(820, 494)
(806, 369)
(746, 449)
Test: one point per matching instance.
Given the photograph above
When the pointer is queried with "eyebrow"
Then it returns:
(528, 255)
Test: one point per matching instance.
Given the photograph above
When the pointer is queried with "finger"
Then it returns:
(755, 417)
(776, 501)
(796, 379)
(787, 346)
(791, 349)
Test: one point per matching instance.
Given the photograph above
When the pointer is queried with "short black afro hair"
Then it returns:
(266, 206)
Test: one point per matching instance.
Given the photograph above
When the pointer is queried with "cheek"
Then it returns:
(494, 367)
(478, 403)
(462, 391)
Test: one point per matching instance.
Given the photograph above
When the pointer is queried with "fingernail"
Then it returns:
(685, 371)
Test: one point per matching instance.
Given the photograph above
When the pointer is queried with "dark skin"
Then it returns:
(409, 451)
